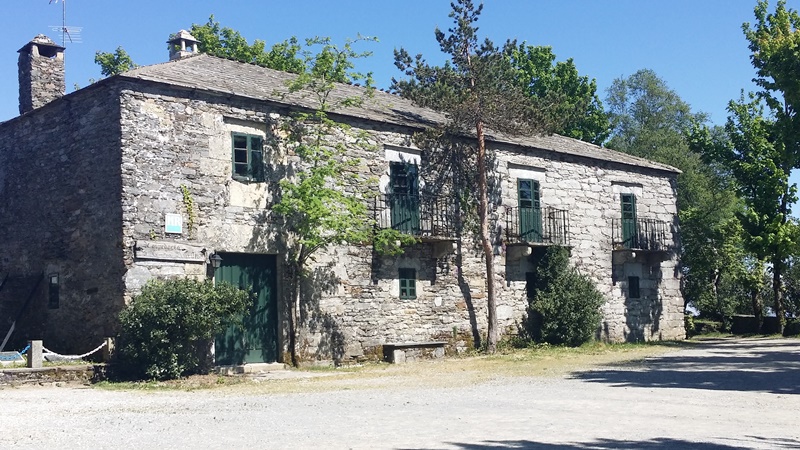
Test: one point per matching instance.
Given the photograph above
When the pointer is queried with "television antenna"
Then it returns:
(71, 33)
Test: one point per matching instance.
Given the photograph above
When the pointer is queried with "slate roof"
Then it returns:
(209, 73)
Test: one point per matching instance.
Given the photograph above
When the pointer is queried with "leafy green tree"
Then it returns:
(574, 97)
(225, 42)
(166, 329)
(762, 145)
(761, 163)
(478, 88)
(767, 148)
(317, 209)
(565, 305)
(114, 63)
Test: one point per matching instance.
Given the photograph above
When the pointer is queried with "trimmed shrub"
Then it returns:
(564, 306)
(165, 332)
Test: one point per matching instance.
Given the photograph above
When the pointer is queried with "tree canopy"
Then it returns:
(225, 42)
(762, 143)
(478, 88)
(317, 208)
(114, 63)
(575, 104)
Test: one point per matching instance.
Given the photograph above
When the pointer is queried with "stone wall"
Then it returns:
(173, 138)
(60, 214)
(590, 192)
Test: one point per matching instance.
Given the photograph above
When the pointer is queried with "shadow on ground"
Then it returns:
(658, 443)
(749, 365)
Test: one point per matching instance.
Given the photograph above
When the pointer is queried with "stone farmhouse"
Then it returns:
(157, 171)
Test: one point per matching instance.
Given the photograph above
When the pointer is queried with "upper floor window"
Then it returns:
(248, 157)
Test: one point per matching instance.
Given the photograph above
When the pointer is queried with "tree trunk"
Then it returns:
(294, 293)
(757, 310)
(715, 278)
(777, 292)
(488, 252)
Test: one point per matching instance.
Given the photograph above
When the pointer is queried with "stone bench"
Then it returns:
(399, 353)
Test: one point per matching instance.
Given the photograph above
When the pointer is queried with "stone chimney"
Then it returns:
(41, 73)
(181, 45)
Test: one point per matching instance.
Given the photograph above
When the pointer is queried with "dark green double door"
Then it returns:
(257, 339)
(630, 232)
(530, 210)
(404, 197)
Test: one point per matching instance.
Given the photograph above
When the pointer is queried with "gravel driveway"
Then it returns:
(725, 394)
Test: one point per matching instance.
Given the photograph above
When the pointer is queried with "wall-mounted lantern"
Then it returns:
(215, 261)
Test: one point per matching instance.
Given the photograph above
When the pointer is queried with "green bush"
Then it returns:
(564, 306)
(165, 332)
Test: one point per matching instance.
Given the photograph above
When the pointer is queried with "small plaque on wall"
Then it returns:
(173, 223)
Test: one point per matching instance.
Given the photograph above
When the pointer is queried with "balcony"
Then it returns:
(537, 226)
(647, 235)
(427, 217)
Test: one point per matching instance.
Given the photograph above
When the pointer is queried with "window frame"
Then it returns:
(533, 200)
(254, 163)
(634, 287)
(407, 281)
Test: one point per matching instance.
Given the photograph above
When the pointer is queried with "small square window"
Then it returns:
(248, 160)
(408, 284)
(633, 287)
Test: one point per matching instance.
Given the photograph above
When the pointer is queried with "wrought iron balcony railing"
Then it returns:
(641, 234)
(547, 226)
(424, 216)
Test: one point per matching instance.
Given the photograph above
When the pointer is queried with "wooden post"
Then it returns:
(35, 354)
(108, 350)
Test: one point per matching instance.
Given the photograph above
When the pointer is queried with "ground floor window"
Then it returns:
(633, 287)
(408, 284)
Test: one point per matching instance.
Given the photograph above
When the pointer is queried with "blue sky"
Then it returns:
(696, 46)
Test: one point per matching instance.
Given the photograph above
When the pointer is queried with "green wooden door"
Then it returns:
(257, 340)
(404, 197)
(530, 210)
(630, 236)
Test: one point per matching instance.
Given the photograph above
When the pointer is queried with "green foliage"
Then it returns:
(188, 203)
(478, 83)
(390, 242)
(317, 209)
(166, 329)
(573, 97)
(477, 87)
(323, 204)
(762, 144)
(224, 42)
(565, 304)
(114, 63)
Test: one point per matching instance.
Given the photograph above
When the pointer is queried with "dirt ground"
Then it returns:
(716, 395)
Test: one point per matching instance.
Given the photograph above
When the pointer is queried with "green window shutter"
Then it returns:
(257, 158)
(408, 284)
(404, 197)
(530, 212)
(629, 233)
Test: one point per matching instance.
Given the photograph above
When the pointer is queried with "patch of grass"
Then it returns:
(192, 383)
(535, 361)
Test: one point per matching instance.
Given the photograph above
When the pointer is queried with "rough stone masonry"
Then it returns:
(114, 160)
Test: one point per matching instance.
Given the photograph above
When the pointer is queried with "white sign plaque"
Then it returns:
(173, 223)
